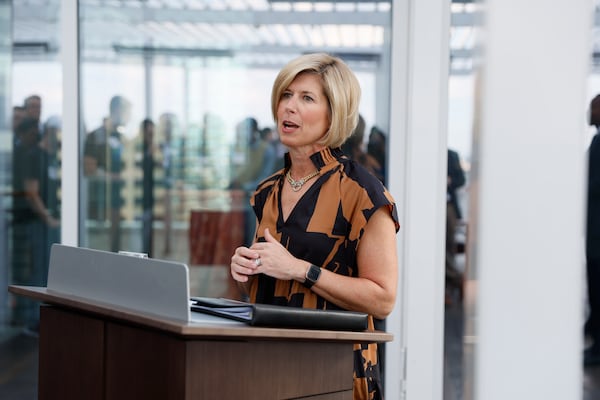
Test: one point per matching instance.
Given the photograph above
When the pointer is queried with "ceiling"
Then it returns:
(253, 32)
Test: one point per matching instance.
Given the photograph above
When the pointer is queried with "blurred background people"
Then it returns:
(354, 148)
(170, 153)
(592, 243)
(376, 147)
(103, 165)
(456, 179)
(148, 163)
(259, 160)
(259, 155)
(35, 214)
(50, 145)
(17, 116)
(33, 109)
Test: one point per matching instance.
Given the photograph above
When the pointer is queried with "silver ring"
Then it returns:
(258, 262)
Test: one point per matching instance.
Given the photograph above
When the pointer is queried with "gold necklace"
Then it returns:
(297, 184)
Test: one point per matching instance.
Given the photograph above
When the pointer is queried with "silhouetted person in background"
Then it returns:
(260, 158)
(33, 220)
(456, 179)
(270, 136)
(354, 148)
(592, 245)
(376, 147)
(17, 117)
(33, 109)
(50, 170)
(169, 150)
(103, 165)
(148, 164)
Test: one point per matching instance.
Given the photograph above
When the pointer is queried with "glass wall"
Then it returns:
(30, 157)
(175, 100)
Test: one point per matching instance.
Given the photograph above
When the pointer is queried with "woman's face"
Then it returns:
(303, 113)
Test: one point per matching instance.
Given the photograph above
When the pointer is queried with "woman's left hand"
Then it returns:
(276, 261)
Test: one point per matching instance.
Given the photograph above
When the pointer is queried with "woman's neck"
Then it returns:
(301, 163)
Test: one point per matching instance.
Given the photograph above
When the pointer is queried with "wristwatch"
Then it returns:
(312, 275)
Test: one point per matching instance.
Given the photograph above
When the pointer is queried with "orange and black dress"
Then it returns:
(324, 228)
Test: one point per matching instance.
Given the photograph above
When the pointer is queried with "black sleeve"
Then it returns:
(594, 168)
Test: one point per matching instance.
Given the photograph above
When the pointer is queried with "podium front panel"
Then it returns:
(71, 355)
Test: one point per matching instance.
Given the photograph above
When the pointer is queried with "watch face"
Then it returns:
(313, 273)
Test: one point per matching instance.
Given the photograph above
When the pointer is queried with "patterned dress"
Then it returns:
(324, 228)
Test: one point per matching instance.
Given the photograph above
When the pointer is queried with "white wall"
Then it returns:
(527, 200)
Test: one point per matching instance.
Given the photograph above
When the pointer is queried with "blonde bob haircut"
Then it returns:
(340, 87)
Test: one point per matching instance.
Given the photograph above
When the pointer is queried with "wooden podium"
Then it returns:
(93, 350)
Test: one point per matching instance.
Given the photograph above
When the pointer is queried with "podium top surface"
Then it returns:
(202, 330)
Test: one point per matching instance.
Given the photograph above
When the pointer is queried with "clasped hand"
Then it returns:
(268, 257)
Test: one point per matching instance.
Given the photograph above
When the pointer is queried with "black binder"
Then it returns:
(280, 316)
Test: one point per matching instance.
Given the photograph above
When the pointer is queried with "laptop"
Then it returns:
(149, 285)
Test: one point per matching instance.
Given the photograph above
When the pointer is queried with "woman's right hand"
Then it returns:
(244, 263)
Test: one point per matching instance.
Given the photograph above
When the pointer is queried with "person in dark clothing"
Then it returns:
(50, 167)
(103, 166)
(34, 223)
(456, 179)
(592, 242)
(260, 159)
(376, 147)
(354, 148)
(148, 164)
